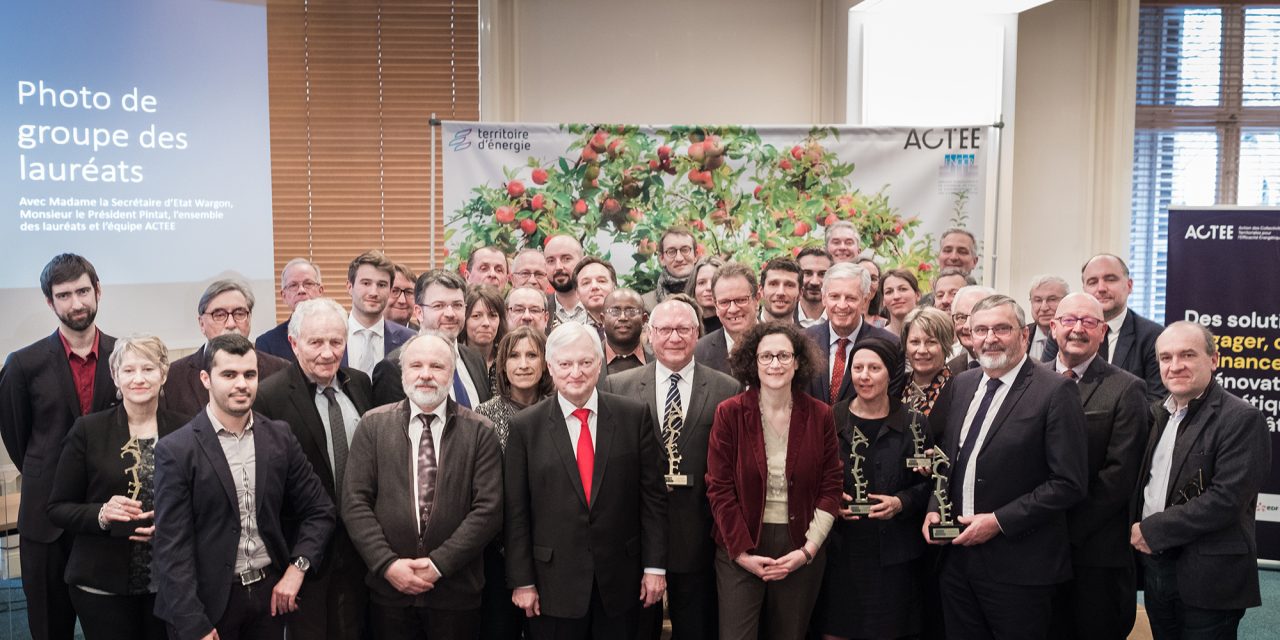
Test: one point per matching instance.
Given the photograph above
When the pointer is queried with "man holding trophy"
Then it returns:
(682, 396)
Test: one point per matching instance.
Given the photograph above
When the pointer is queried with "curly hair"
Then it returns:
(743, 359)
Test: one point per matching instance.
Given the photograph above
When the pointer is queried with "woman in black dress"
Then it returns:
(871, 588)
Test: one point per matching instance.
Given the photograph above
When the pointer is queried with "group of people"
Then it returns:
(526, 449)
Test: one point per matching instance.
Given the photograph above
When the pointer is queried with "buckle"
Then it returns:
(251, 576)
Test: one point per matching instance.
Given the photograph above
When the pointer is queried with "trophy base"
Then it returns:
(917, 462)
(945, 531)
(860, 508)
(678, 480)
(126, 529)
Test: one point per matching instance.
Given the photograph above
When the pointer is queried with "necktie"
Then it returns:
(586, 452)
(337, 431)
(970, 440)
(1070, 373)
(1104, 350)
(460, 391)
(367, 358)
(426, 473)
(837, 369)
(673, 417)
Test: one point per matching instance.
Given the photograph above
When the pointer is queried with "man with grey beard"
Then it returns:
(423, 497)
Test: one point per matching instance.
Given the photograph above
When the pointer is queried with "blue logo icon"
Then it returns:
(460, 141)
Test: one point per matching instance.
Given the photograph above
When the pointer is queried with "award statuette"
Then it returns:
(673, 477)
(861, 504)
(917, 458)
(946, 528)
(133, 450)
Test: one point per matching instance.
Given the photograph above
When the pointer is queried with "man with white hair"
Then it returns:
(584, 547)
(299, 280)
(841, 241)
(323, 401)
(1046, 292)
(845, 289)
(962, 354)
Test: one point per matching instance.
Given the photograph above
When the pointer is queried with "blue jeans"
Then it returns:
(1171, 618)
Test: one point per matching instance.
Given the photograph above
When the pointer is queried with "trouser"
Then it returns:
(1173, 619)
(333, 604)
(424, 623)
(691, 604)
(50, 612)
(977, 607)
(596, 625)
(752, 608)
(112, 617)
(1098, 603)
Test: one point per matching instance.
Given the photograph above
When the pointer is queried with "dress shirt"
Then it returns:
(1113, 336)
(350, 417)
(83, 370)
(1080, 369)
(415, 440)
(1156, 493)
(356, 342)
(464, 376)
(610, 355)
(971, 467)
(1036, 350)
(806, 321)
(728, 345)
(576, 314)
(848, 349)
(685, 388)
(251, 552)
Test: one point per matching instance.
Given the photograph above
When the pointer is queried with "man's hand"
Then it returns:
(143, 534)
(527, 598)
(979, 528)
(886, 506)
(1137, 540)
(652, 586)
(428, 572)
(757, 565)
(402, 575)
(284, 597)
(930, 519)
(213, 635)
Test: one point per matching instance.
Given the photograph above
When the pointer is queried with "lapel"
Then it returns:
(62, 368)
(646, 376)
(1188, 434)
(605, 433)
(564, 447)
(355, 392)
(208, 440)
(191, 377)
(966, 385)
(104, 388)
(1020, 385)
(698, 405)
(1092, 380)
(1124, 343)
(262, 461)
(303, 400)
(404, 454)
(823, 337)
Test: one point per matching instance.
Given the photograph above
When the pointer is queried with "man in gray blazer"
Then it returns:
(1100, 599)
(1208, 455)
(682, 396)
(737, 297)
(422, 498)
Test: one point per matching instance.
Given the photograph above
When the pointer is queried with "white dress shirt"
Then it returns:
(831, 349)
(1080, 369)
(1155, 494)
(350, 417)
(1036, 349)
(415, 441)
(805, 321)
(971, 466)
(684, 387)
(359, 339)
(1113, 337)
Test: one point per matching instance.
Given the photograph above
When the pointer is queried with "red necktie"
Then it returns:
(586, 452)
(1070, 373)
(837, 370)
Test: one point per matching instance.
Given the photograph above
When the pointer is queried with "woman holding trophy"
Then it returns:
(102, 492)
(872, 584)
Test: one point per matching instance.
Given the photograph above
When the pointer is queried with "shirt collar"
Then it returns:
(567, 408)
(219, 428)
(354, 327)
(1115, 323)
(439, 412)
(610, 354)
(1007, 379)
(1060, 367)
(664, 373)
(93, 351)
(800, 314)
(852, 334)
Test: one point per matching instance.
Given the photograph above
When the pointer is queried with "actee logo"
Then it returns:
(950, 138)
(1210, 232)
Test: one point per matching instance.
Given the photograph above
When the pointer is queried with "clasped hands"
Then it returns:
(771, 569)
(122, 509)
(412, 576)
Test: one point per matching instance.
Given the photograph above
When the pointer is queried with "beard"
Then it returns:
(81, 323)
(563, 287)
(1001, 360)
(426, 397)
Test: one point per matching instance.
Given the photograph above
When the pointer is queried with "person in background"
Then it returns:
(624, 320)
(927, 334)
(369, 337)
(527, 307)
(844, 288)
(699, 288)
(958, 248)
(1130, 338)
(963, 353)
(779, 290)
(874, 303)
(400, 305)
(901, 293)
(677, 253)
(529, 269)
(594, 279)
(563, 253)
(945, 286)
(772, 512)
(105, 476)
(737, 303)
(485, 325)
(299, 280)
(814, 262)
(841, 241)
(487, 266)
(1046, 293)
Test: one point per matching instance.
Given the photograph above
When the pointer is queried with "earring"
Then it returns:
(119, 395)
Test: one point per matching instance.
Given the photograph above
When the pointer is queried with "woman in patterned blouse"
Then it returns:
(927, 334)
(522, 378)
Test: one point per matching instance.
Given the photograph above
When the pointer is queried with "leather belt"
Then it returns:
(250, 577)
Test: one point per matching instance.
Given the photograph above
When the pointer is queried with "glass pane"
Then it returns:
(1262, 57)
(1259, 167)
(1179, 56)
(1170, 167)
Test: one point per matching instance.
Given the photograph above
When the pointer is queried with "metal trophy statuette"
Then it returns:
(918, 458)
(131, 449)
(673, 477)
(946, 528)
(861, 503)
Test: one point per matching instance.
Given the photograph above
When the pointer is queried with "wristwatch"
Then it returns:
(302, 564)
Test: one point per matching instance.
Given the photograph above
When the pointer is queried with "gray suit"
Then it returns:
(713, 351)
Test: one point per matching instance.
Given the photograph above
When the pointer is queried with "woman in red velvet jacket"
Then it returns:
(774, 483)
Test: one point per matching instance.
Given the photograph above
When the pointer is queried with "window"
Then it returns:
(1207, 127)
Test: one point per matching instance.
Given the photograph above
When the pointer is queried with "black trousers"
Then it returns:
(333, 604)
(751, 608)
(248, 615)
(1173, 619)
(691, 604)
(596, 625)
(422, 623)
(499, 618)
(1098, 603)
(977, 607)
(50, 612)
(118, 617)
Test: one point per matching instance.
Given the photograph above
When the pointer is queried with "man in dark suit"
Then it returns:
(370, 337)
(844, 294)
(224, 485)
(44, 387)
(1194, 510)
(299, 280)
(225, 307)
(423, 498)
(737, 296)
(323, 402)
(1100, 599)
(586, 505)
(1015, 433)
(1046, 293)
(441, 304)
(1130, 339)
(683, 418)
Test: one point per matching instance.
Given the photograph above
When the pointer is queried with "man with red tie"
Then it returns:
(585, 502)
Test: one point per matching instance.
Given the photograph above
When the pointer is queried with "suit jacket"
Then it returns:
(275, 341)
(394, 335)
(737, 469)
(960, 364)
(689, 544)
(380, 513)
(90, 471)
(387, 387)
(38, 404)
(820, 386)
(553, 539)
(712, 351)
(1050, 345)
(185, 394)
(1031, 469)
(1225, 442)
(1115, 413)
(1136, 353)
(198, 519)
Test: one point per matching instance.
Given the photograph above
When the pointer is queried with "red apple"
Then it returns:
(664, 152)
(830, 220)
(610, 206)
(536, 203)
(504, 215)
(539, 176)
(599, 142)
(797, 152)
(785, 164)
(636, 215)
(528, 226)
(759, 188)
(800, 229)
(579, 208)
(697, 152)
(589, 154)
(515, 188)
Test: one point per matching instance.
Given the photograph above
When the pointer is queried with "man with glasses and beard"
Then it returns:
(1015, 433)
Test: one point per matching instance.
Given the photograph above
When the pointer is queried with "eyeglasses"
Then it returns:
(396, 292)
(220, 315)
(729, 302)
(671, 252)
(783, 357)
(306, 284)
(519, 311)
(624, 312)
(1000, 331)
(683, 332)
(1087, 322)
(526, 274)
(437, 307)
(959, 318)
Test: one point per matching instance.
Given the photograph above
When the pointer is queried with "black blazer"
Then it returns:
(689, 544)
(1115, 413)
(185, 394)
(1031, 469)
(90, 471)
(1226, 440)
(553, 540)
(1136, 353)
(275, 341)
(197, 517)
(712, 351)
(38, 404)
(1050, 345)
(887, 473)
(387, 387)
(820, 386)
